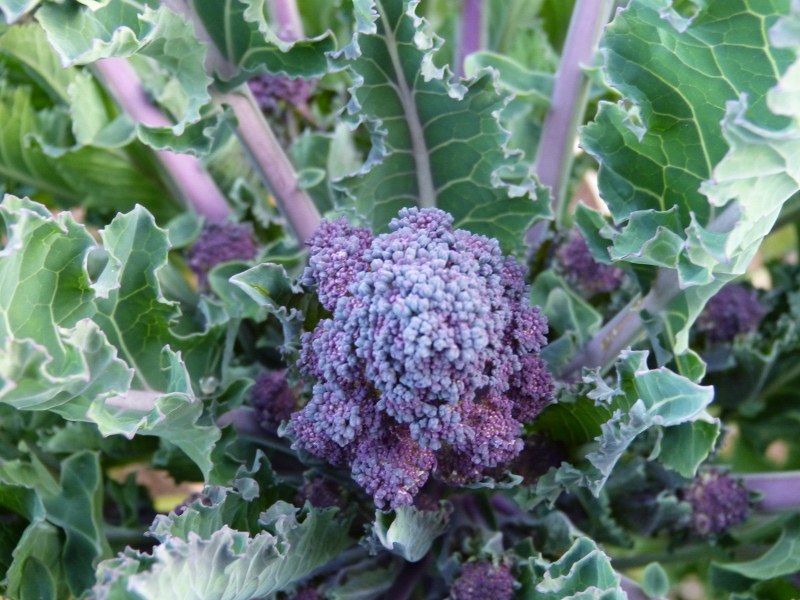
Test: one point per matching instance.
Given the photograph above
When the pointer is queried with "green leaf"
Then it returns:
(82, 35)
(91, 124)
(565, 310)
(684, 447)
(370, 584)
(655, 581)
(408, 531)
(669, 185)
(639, 400)
(512, 75)
(37, 570)
(435, 142)
(54, 357)
(782, 559)
(584, 572)
(78, 511)
(27, 46)
(250, 46)
(37, 149)
(14, 9)
(205, 558)
(131, 309)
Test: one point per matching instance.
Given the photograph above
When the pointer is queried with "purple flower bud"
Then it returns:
(482, 580)
(272, 399)
(322, 493)
(433, 347)
(735, 309)
(270, 90)
(718, 503)
(219, 243)
(582, 271)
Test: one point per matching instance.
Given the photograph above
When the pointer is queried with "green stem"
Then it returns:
(126, 536)
(688, 554)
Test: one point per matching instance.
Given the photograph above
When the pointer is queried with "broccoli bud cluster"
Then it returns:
(430, 362)
(582, 271)
(270, 90)
(482, 580)
(733, 310)
(718, 503)
(219, 243)
(272, 398)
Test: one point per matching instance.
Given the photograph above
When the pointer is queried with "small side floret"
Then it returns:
(272, 398)
(732, 311)
(270, 90)
(582, 271)
(481, 581)
(718, 501)
(219, 243)
(431, 355)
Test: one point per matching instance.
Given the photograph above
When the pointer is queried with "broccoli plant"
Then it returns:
(399, 299)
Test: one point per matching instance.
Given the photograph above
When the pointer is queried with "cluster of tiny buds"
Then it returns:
(718, 502)
(219, 243)
(483, 580)
(431, 356)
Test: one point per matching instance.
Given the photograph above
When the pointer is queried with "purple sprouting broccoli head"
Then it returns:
(219, 243)
(481, 581)
(718, 503)
(582, 271)
(272, 398)
(270, 90)
(431, 354)
(734, 310)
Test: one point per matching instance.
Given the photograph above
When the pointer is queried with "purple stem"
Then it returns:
(781, 490)
(193, 183)
(260, 143)
(407, 580)
(472, 37)
(286, 15)
(273, 165)
(568, 104)
(627, 328)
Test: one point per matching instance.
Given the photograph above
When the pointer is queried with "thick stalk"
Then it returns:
(271, 162)
(472, 35)
(568, 104)
(190, 179)
(407, 580)
(256, 135)
(286, 16)
(627, 328)
(781, 490)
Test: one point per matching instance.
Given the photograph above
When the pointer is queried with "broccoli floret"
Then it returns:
(272, 398)
(432, 348)
(733, 310)
(270, 90)
(482, 580)
(321, 492)
(718, 503)
(219, 243)
(582, 271)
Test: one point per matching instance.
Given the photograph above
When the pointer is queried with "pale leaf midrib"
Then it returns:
(425, 186)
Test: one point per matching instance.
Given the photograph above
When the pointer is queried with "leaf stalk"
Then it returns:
(570, 95)
(191, 180)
